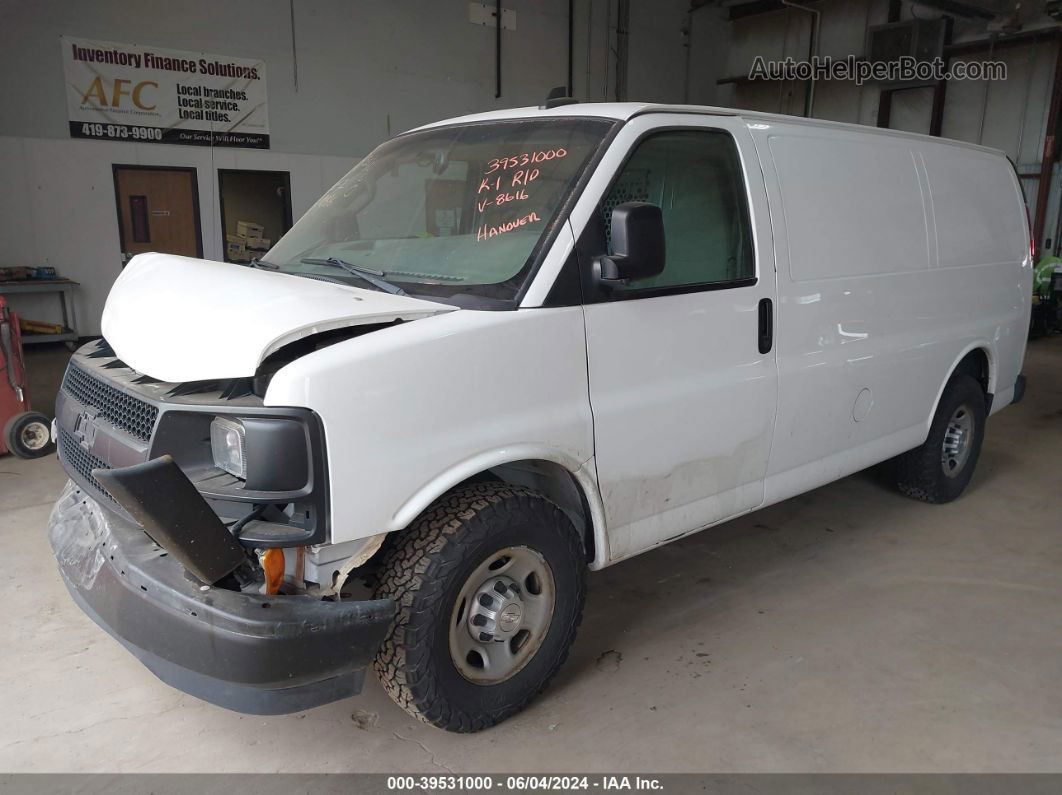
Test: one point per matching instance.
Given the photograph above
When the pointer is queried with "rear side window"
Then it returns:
(695, 177)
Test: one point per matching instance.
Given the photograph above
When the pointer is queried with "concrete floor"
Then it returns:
(848, 629)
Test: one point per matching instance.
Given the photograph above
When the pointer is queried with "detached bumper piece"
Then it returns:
(246, 652)
(166, 504)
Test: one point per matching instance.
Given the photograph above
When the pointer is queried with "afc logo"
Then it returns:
(97, 93)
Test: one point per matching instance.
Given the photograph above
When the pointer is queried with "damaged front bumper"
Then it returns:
(263, 655)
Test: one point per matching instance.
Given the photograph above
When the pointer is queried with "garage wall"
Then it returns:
(392, 64)
(1009, 115)
(1014, 113)
(657, 49)
(396, 64)
(58, 209)
(785, 34)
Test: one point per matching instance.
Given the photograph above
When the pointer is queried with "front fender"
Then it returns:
(470, 467)
(411, 410)
(584, 474)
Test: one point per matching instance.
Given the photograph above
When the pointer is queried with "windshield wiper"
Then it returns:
(373, 277)
(254, 262)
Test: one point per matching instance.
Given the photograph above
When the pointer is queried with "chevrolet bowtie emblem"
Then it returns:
(85, 429)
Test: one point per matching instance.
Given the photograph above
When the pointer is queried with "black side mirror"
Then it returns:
(637, 245)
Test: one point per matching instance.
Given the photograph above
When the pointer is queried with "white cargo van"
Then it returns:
(509, 348)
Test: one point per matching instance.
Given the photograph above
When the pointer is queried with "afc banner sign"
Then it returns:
(129, 92)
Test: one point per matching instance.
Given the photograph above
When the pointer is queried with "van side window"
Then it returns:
(695, 177)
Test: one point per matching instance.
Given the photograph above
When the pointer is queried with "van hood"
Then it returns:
(183, 319)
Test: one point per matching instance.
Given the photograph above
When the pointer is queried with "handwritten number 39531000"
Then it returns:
(524, 159)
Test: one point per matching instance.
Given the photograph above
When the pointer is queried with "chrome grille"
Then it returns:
(123, 411)
(82, 462)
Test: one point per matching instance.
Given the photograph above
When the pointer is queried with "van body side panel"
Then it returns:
(851, 281)
(405, 408)
(983, 239)
(877, 303)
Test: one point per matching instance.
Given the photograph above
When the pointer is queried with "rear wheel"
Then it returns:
(29, 435)
(940, 469)
(489, 583)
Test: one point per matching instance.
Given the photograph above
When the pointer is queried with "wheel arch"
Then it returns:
(564, 479)
(978, 360)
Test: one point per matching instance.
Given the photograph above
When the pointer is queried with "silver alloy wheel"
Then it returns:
(958, 440)
(502, 615)
(35, 436)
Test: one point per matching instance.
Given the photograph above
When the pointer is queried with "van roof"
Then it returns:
(628, 110)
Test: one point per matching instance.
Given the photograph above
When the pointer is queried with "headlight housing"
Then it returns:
(240, 455)
(227, 445)
(266, 453)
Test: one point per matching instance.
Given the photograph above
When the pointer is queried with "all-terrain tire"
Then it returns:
(424, 573)
(920, 473)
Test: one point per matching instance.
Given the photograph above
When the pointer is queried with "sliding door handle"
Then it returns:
(766, 325)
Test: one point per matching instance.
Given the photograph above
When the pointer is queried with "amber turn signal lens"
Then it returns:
(272, 561)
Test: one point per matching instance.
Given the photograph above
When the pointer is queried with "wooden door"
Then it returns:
(158, 210)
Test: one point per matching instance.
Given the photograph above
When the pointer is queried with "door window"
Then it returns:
(695, 177)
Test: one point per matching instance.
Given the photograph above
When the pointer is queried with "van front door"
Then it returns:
(683, 380)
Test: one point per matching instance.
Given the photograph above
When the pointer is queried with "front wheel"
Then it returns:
(490, 585)
(941, 468)
(28, 435)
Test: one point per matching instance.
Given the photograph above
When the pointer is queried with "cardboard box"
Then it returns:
(249, 230)
(262, 244)
(15, 274)
(235, 248)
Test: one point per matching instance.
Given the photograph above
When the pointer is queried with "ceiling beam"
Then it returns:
(999, 42)
(956, 8)
(753, 7)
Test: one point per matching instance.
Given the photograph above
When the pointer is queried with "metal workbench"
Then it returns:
(63, 288)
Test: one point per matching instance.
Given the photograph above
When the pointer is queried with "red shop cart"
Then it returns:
(27, 434)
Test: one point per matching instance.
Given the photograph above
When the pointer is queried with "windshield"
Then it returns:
(460, 210)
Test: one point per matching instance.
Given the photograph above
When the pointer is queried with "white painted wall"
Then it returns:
(367, 69)
(58, 206)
